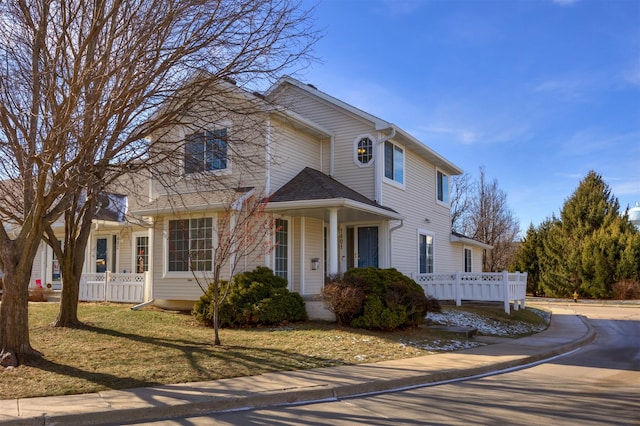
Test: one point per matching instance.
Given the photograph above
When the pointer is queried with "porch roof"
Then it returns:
(459, 238)
(311, 192)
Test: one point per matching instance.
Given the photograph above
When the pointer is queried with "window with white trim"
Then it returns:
(364, 151)
(467, 260)
(425, 250)
(442, 187)
(281, 251)
(190, 245)
(142, 254)
(205, 151)
(393, 162)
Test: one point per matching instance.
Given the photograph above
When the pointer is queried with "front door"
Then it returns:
(102, 250)
(367, 246)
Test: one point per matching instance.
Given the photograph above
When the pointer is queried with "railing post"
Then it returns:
(505, 282)
(106, 282)
(458, 291)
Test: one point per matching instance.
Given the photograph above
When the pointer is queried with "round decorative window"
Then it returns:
(365, 150)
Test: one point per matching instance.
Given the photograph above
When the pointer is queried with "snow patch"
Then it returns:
(486, 326)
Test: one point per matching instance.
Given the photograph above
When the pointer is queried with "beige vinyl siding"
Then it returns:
(295, 253)
(246, 157)
(416, 203)
(345, 128)
(476, 259)
(291, 152)
(313, 248)
(185, 287)
(326, 156)
(166, 286)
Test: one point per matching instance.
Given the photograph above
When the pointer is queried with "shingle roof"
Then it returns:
(311, 184)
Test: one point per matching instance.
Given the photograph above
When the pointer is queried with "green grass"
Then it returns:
(119, 348)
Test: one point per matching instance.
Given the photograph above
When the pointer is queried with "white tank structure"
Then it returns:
(634, 215)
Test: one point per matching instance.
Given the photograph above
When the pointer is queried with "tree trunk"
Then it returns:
(14, 312)
(72, 262)
(68, 313)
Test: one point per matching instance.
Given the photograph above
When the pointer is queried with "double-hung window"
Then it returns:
(205, 151)
(190, 245)
(442, 187)
(393, 162)
(425, 248)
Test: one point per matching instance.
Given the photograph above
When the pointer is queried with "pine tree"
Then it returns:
(583, 252)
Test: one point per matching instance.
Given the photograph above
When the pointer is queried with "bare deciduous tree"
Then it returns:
(493, 223)
(462, 188)
(241, 231)
(81, 85)
(479, 210)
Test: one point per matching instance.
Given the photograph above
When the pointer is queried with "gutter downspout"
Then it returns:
(380, 165)
(395, 228)
(331, 155)
(142, 305)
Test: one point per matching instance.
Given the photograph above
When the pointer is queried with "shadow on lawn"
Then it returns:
(100, 378)
(238, 360)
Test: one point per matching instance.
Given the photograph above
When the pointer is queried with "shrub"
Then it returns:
(378, 299)
(255, 297)
(626, 289)
(203, 308)
(345, 296)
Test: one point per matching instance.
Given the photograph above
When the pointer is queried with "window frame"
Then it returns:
(432, 264)
(395, 149)
(206, 138)
(146, 255)
(289, 247)
(440, 188)
(189, 272)
(356, 150)
(468, 263)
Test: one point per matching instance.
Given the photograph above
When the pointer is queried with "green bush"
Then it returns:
(255, 297)
(391, 300)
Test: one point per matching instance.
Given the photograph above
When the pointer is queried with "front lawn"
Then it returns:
(120, 348)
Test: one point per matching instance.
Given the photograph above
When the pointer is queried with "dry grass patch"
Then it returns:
(120, 348)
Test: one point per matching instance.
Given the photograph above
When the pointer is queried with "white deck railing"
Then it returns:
(484, 286)
(112, 287)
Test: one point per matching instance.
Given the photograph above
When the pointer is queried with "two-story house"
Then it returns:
(345, 189)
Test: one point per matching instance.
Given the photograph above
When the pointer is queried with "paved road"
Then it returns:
(597, 385)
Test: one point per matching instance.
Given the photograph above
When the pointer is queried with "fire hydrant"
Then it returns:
(575, 297)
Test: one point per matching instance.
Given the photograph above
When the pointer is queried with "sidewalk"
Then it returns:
(566, 332)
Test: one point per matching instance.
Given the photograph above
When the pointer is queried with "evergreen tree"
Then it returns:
(584, 250)
(526, 259)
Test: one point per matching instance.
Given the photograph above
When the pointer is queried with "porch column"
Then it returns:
(333, 241)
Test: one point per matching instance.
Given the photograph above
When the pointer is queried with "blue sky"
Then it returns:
(538, 92)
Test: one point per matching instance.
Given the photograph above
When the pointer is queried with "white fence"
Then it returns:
(112, 287)
(485, 286)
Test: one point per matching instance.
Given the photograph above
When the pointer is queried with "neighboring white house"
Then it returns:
(346, 188)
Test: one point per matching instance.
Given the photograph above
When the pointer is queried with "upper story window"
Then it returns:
(205, 151)
(364, 151)
(394, 162)
(442, 184)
